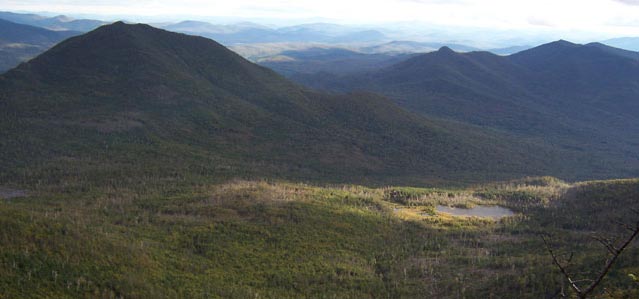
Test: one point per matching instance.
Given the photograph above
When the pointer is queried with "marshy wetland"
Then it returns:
(288, 240)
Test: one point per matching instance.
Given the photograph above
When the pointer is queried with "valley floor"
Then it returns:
(261, 239)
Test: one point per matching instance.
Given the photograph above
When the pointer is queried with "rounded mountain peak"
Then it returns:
(446, 50)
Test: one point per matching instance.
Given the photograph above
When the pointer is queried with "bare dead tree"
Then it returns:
(585, 287)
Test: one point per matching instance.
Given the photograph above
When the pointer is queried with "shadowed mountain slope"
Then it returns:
(132, 99)
(576, 97)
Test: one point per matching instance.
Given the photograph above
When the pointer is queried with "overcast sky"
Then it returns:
(615, 17)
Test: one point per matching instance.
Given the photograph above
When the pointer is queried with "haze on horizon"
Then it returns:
(598, 17)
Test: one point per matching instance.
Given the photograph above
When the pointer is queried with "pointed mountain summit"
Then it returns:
(136, 99)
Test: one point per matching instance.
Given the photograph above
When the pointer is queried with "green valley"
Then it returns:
(141, 163)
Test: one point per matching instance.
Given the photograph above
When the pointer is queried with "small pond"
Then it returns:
(494, 212)
(11, 193)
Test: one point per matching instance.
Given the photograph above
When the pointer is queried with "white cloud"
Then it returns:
(629, 2)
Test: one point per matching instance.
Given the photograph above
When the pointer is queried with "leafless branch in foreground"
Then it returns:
(583, 291)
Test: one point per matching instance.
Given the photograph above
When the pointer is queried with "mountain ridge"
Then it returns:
(144, 98)
(579, 97)
(59, 22)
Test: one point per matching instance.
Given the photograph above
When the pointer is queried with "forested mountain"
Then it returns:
(140, 98)
(579, 97)
(141, 163)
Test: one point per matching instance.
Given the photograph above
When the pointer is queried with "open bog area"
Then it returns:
(286, 240)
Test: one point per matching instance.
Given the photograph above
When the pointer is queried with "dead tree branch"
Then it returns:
(614, 252)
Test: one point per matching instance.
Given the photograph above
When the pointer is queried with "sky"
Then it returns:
(603, 17)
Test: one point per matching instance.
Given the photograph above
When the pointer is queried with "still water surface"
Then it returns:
(494, 212)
